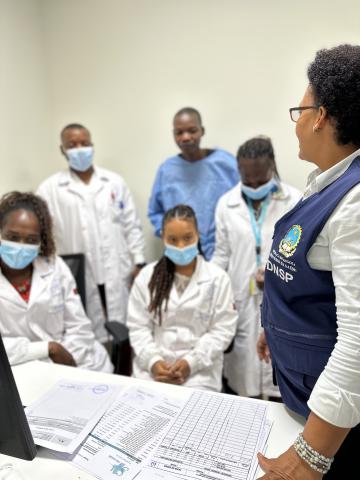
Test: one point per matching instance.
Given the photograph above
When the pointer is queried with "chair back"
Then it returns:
(120, 349)
(76, 263)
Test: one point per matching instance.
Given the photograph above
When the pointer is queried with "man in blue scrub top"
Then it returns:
(196, 176)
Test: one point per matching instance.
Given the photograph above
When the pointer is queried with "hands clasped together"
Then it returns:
(175, 373)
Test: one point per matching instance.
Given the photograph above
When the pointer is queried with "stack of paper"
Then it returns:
(127, 434)
(63, 417)
(150, 436)
(214, 437)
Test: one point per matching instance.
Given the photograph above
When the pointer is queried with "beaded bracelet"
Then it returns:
(314, 459)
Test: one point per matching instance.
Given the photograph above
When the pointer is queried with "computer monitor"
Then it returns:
(15, 436)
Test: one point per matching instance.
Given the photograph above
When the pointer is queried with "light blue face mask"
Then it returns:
(18, 255)
(260, 192)
(181, 256)
(81, 158)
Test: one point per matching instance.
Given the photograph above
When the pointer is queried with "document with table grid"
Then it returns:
(215, 437)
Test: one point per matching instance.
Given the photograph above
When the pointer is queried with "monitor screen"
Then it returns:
(15, 436)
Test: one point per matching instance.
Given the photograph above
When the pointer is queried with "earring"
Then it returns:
(315, 129)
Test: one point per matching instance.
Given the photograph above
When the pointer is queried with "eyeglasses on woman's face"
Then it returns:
(295, 112)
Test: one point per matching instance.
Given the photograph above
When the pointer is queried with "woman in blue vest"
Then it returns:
(311, 306)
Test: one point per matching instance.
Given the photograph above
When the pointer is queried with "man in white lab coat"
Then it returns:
(94, 213)
(245, 218)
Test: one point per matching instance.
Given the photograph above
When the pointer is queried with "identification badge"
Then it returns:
(252, 285)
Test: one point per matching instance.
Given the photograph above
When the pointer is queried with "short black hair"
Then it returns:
(259, 147)
(189, 111)
(73, 126)
(334, 77)
(12, 201)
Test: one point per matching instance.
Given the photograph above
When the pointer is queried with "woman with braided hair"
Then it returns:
(41, 315)
(181, 311)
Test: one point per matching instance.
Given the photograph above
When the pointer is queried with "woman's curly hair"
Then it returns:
(13, 201)
(334, 77)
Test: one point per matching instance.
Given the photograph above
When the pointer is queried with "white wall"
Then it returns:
(123, 67)
(24, 115)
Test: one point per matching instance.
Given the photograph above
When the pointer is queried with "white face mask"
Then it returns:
(18, 255)
(260, 192)
(181, 256)
(80, 159)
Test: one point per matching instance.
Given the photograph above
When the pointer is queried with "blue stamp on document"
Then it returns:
(100, 389)
(119, 469)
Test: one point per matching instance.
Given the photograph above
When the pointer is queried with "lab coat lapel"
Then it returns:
(174, 299)
(74, 185)
(99, 179)
(71, 183)
(235, 201)
(200, 276)
(42, 268)
(8, 292)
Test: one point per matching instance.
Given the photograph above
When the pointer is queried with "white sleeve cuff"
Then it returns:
(153, 360)
(139, 258)
(333, 405)
(193, 363)
(38, 350)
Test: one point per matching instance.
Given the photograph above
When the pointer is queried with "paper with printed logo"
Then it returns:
(63, 417)
(127, 434)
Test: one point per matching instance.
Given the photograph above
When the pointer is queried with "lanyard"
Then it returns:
(257, 224)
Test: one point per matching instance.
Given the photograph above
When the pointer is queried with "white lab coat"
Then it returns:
(121, 238)
(54, 313)
(197, 327)
(235, 253)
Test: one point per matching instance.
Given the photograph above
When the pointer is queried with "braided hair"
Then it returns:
(162, 278)
(258, 147)
(13, 201)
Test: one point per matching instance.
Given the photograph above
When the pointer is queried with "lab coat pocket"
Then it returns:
(55, 317)
(115, 214)
(116, 209)
(204, 312)
(202, 318)
(55, 323)
(56, 303)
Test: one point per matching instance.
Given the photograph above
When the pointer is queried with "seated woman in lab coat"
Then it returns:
(181, 313)
(245, 218)
(41, 315)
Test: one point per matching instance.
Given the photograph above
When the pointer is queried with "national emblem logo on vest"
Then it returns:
(291, 240)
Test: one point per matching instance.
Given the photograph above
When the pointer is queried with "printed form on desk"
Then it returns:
(127, 434)
(62, 418)
(216, 437)
(147, 435)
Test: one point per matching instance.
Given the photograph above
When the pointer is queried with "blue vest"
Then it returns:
(298, 310)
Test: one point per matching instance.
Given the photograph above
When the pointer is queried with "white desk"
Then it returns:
(35, 378)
